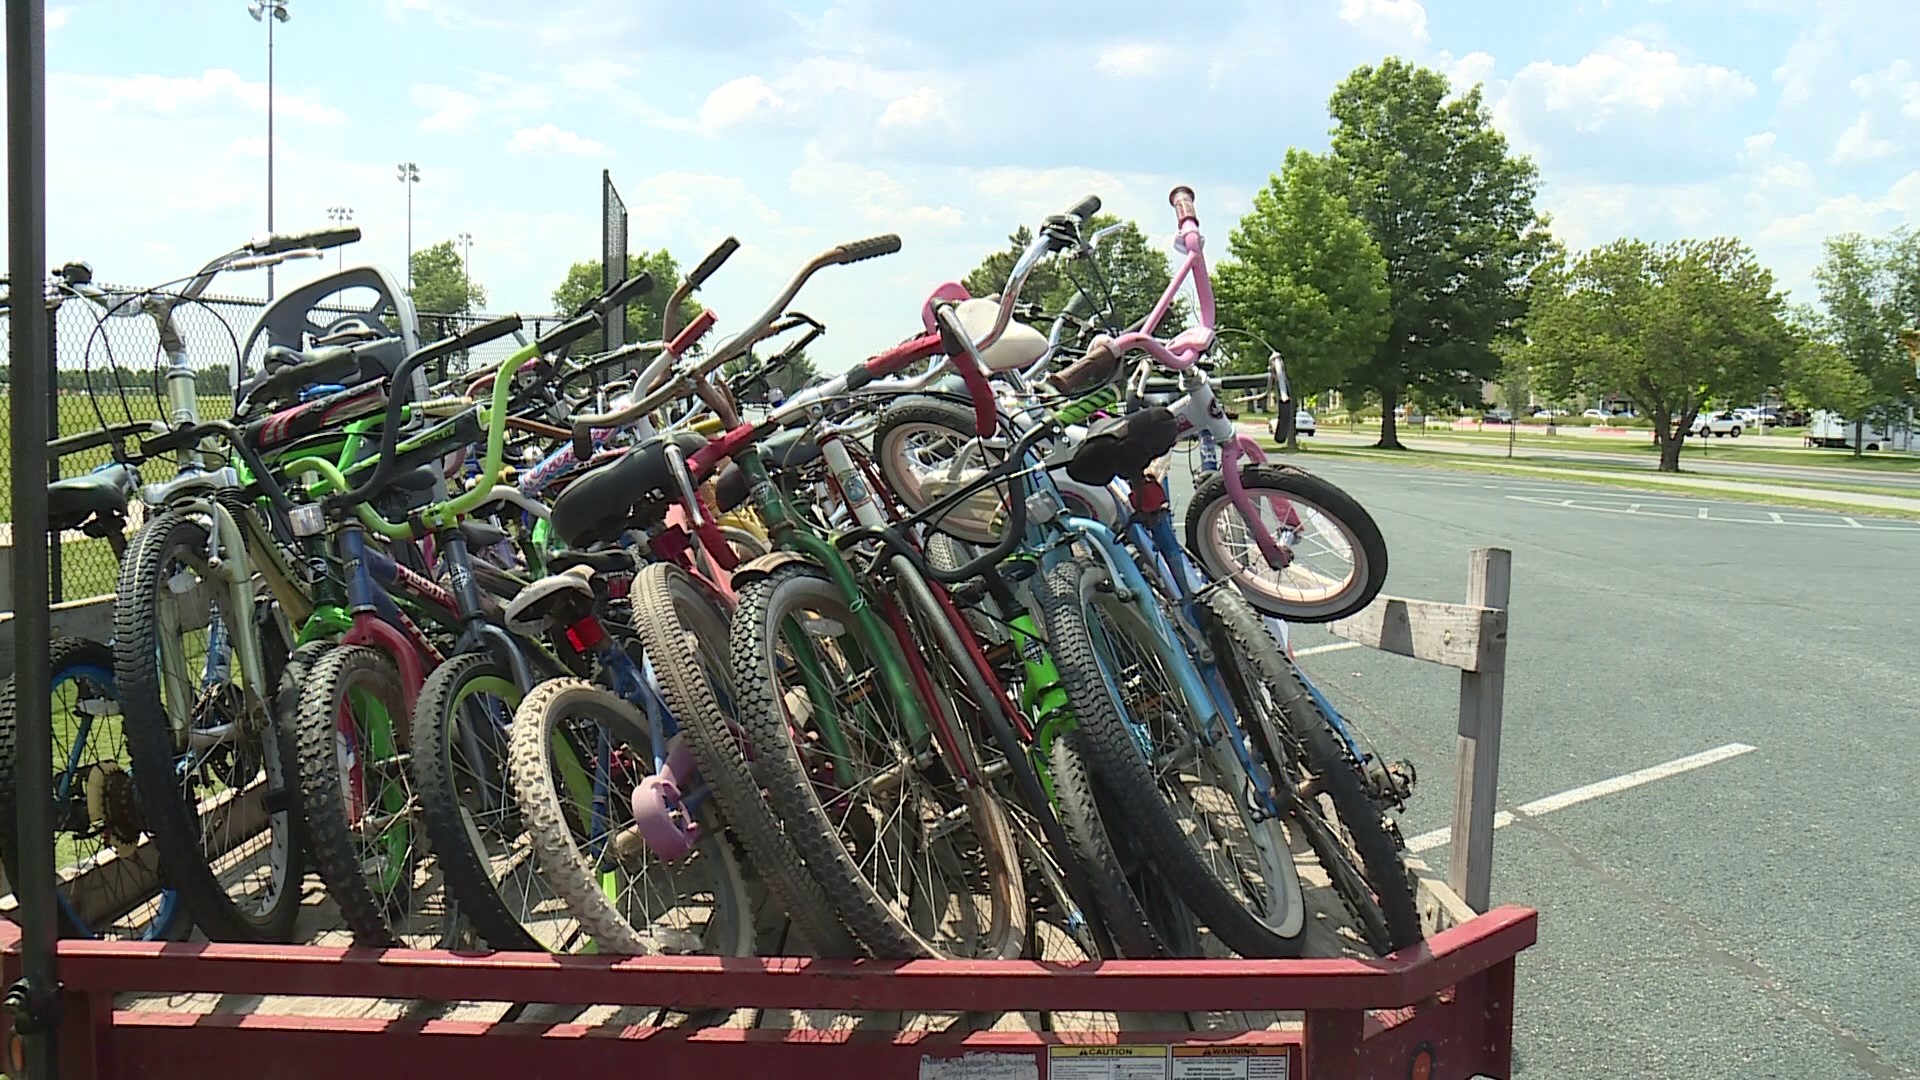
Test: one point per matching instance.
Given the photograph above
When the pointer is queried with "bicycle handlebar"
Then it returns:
(320, 239)
(401, 381)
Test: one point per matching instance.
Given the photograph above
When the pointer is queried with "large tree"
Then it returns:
(1817, 375)
(1452, 212)
(584, 281)
(1865, 289)
(1671, 326)
(440, 282)
(1307, 277)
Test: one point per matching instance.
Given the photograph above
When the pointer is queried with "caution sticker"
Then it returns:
(1107, 1062)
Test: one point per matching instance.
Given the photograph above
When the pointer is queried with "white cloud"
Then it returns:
(736, 101)
(1466, 72)
(549, 137)
(447, 109)
(57, 17)
(918, 109)
(1402, 17)
(212, 90)
(883, 199)
(1625, 75)
(1858, 144)
(1131, 59)
(1771, 170)
(1807, 60)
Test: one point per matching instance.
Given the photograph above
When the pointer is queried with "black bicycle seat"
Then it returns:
(597, 505)
(604, 561)
(1124, 445)
(70, 503)
(481, 534)
(787, 450)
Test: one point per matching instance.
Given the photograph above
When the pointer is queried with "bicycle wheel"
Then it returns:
(472, 820)
(1178, 784)
(684, 633)
(1339, 558)
(105, 885)
(356, 791)
(223, 827)
(917, 863)
(577, 753)
(1316, 778)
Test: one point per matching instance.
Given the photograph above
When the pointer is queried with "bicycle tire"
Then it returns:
(761, 710)
(661, 593)
(1381, 898)
(1119, 764)
(366, 910)
(152, 751)
(561, 861)
(73, 660)
(1210, 501)
(454, 836)
(1127, 920)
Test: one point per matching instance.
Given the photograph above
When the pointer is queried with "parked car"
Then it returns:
(1303, 423)
(1497, 416)
(1728, 422)
(1550, 412)
(1596, 414)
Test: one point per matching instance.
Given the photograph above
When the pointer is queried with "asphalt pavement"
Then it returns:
(1749, 918)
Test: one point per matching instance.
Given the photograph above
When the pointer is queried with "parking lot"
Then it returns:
(1710, 731)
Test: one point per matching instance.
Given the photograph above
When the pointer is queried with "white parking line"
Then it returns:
(1318, 649)
(1504, 818)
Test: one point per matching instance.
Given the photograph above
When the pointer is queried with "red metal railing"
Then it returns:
(1450, 999)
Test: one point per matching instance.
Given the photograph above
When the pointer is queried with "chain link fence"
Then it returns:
(110, 369)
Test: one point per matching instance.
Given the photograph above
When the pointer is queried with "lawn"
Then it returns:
(1531, 437)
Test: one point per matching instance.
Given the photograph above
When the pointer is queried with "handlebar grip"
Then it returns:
(1096, 367)
(1244, 382)
(89, 440)
(953, 338)
(568, 332)
(624, 293)
(1182, 200)
(714, 260)
(479, 335)
(1085, 208)
(275, 243)
(870, 248)
(327, 368)
(694, 331)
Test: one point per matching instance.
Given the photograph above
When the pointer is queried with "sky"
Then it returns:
(798, 125)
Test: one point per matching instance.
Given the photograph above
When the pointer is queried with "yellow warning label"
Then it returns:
(1231, 1063)
(1107, 1063)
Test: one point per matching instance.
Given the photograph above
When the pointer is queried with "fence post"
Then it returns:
(56, 580)
(1482, 693)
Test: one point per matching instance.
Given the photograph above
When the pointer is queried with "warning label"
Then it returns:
(1231, 1062)
(1107, 1062)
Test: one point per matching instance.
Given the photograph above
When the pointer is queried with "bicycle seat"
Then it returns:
(787, 450)
(1019, 345)
(1123, 446)
(605, 561)
(565, 596)
(481, 534)
(638, 484)
(70, 503)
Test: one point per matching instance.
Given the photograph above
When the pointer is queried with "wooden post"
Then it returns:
(1470, 870)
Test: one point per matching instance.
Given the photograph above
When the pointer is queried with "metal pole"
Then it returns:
(31, 1001)
(269, 21)
(56, 586)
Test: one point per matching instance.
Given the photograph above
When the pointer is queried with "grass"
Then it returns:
(1724, 449)
(1637, 480)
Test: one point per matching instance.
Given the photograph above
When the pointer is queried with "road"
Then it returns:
(1749, 918)
(1693, 461)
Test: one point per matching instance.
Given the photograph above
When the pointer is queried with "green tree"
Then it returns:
(1817, 375)
(1452, 213)
(645, 316)
(1306, 276)
(1864, 289)
(1671, 326)
(441, 285)
(1125, 276)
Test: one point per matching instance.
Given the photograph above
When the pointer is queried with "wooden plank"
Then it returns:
(1470, 636)
(1482, 695)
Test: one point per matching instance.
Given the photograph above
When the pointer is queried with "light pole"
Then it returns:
(409, 174)
(269, 12)
(466, 262)
(340, 215)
